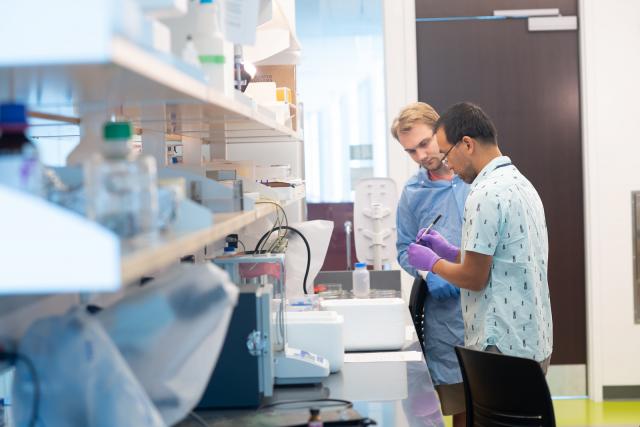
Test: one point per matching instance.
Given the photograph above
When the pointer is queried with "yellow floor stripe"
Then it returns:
(583, 412)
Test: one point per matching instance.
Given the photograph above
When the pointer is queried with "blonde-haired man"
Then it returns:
(432, 191)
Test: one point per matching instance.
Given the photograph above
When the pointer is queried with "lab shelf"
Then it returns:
(167, 250)
(132, 81)
(40, 239)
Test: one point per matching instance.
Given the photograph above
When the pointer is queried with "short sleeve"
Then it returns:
(484, 217)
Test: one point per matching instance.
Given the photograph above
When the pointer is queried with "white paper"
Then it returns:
(384, 356)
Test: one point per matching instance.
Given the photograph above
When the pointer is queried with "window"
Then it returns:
(341, 84)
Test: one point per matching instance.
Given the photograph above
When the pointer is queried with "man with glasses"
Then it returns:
(434, 190)
(502, 262)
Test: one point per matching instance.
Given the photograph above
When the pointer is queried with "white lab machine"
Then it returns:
(374, 213)
(291, 365)
(295, 366)
(320, 332)
(371, 323)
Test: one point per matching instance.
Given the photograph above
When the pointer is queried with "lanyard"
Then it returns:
(501, 166)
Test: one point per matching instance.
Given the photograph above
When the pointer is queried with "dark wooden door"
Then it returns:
(528, 82)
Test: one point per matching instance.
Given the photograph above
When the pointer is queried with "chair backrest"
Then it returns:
(416, 307)
(504, 390)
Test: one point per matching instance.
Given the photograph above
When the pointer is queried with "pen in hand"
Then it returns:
(426, 230)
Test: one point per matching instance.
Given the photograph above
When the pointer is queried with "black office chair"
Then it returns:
(416, 307)
(503, 390)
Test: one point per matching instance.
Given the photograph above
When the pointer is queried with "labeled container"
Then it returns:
(319, 332)
(121, 186)
(215, 54)
(20, 167)
(371, 324)
(361, 283)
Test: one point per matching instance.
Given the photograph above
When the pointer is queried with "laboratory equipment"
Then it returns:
(216, 196)
(19, 165)
(372, 323)
(320, 332)
(272, 172)
(291, 366)
(361, 283)
(243, 375)
(296, 366)
(374, 213)
(121, 187)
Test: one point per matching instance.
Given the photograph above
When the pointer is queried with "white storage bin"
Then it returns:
(371, 324)
(319, 332)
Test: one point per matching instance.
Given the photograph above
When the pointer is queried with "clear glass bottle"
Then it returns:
(361, 285)
(20, 167)
(121, 186)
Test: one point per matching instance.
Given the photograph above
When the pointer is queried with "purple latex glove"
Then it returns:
(439, 245)
(422, 257)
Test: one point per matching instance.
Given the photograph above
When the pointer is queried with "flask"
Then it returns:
(20, 168)
(121, 186)
(314, 419)
(361, 284)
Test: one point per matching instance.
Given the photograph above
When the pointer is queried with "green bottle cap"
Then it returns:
(117, 130)
(212, 59)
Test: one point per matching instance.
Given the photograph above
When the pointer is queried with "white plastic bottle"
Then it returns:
(361, 285)
(215, 54)
(121, 187)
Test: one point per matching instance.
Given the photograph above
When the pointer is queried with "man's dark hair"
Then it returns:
(467, 119)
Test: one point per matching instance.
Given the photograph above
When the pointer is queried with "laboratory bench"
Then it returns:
(396, 393)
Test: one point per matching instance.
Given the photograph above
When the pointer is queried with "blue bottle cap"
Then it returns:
(360, 264)
(13, 116)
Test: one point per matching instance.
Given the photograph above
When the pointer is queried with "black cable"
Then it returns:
(346, 403)
(306, 243)
(244, 248)
(35, 405)
(198, 418)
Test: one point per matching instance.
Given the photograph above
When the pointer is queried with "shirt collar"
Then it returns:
(421, 178)
(490, 167)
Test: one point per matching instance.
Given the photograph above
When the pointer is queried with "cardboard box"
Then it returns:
(282, 76)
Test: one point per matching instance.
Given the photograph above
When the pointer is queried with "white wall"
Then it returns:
(610, 74)
(401, 78)
(401, 81)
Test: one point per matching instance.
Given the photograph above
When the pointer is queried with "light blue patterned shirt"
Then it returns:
(504, 218)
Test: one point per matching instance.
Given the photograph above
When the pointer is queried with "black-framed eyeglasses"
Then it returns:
(444, 159)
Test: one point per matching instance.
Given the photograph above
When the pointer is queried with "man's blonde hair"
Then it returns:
(418, 112)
